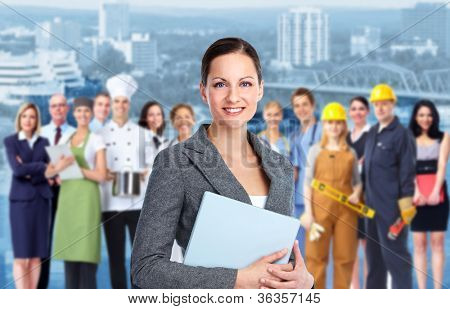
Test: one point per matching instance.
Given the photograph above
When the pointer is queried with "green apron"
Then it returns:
(77, 225)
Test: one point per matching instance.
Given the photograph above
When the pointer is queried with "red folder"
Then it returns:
(426, 182)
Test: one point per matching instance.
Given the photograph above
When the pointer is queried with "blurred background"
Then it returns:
(72, 48)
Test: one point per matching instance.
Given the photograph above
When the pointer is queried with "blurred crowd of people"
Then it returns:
(398, 172)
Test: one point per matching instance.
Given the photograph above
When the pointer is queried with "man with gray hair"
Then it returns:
(58, 131)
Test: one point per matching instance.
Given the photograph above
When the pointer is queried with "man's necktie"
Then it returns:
(57, 135)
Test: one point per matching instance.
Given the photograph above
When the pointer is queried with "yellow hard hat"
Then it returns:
(382, 92)
(334, 111)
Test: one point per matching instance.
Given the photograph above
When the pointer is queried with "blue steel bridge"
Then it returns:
(359, 79)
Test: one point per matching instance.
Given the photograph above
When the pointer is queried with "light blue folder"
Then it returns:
(229, 233)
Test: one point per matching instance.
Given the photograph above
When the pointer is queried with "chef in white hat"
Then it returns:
(124, 151)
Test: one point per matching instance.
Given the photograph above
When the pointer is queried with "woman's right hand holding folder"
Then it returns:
(264, 274)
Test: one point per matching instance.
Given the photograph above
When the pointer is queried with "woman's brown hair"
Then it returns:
(228, 46)
(143, 117)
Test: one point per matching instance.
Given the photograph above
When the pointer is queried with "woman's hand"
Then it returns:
(109, 175)
(434, 198)
(361, 161)
(249, 277)
(84, 171)
(298, 278)
(64, 162)
(19, 159)
(306, 220)
(354, 198)
(419, 198)
(144, 174)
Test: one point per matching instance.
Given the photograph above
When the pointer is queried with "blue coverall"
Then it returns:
(389, 172)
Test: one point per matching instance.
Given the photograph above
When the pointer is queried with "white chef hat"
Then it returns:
(121, 85)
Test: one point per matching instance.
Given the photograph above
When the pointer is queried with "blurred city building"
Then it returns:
(17, 41)
(428, 21)
(364, 40)
(140, 51)
(417, 45)
(58, 34)
(303, 37)
(114, 20)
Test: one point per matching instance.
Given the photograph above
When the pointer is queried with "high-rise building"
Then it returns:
(140, 51)
(364, 40)
(284, 39)
(428, 21)
(303, 37)
(114, 20)
(58, 34)
(89, 51)
(144, 53)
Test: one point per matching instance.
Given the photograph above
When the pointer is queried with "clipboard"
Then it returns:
(55, 152)
(229, 233)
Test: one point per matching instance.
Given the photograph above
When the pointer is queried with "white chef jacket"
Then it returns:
(124, 148)
(49, 131)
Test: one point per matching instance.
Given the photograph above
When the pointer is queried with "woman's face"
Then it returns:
(232, 90)
(358, 112)
(28, 121)
(82, 115)
(424, 118)
(273, 116)
(334, 128)
(183, 121)
(154, 117)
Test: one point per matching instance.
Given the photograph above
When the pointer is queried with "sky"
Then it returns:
(211, 4)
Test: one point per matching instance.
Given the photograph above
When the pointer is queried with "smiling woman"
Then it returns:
(77, 232)
(225, 158)
(29, 196)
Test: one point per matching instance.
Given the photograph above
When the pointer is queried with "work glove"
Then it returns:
(315, 231)
(407, 209)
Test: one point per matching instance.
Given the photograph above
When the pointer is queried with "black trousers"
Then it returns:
(44, 277)
(80, 275)
(115, 224)
(384, 254)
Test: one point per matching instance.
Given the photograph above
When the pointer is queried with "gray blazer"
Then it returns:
(180, 176)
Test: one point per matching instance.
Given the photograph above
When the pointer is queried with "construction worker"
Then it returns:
(389, 171)
(335, 164)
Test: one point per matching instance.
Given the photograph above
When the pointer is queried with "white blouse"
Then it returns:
(94, 144)
(30, 141)
(258, 200)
